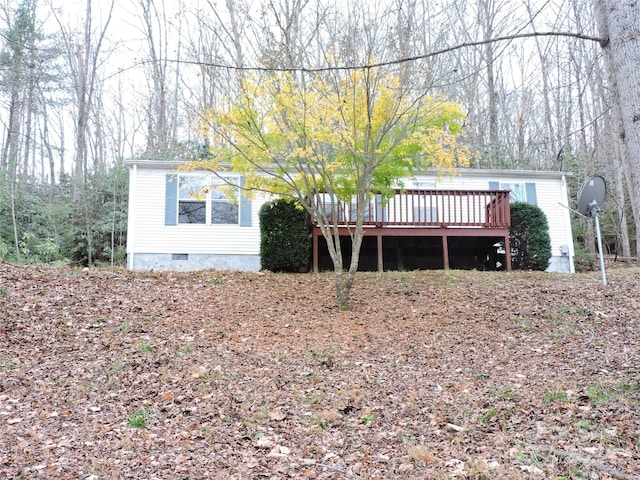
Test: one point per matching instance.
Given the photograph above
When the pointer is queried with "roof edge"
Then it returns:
(467, 172)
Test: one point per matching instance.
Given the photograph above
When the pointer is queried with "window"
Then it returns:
(223, 209)
(518, 192)
(207, 199)
(192, 205)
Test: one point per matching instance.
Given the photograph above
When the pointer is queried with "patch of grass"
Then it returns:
(598, 393)
(319, 422)
(554, 396)
(367, 419)
(502, 394)
(565, 327)
(262, 413)
(307, 376)
(4, 291)
(7, 364)
(526, 323)
(325, 419)
(146, 347)
(139, 418)
(488, 415)
(587, 312)
(175, 352)
(622, 390)
(312, 398)
(626, 387)
(508, 395)
(584, 424)
(578, 475)
(116, 367)
(531, 458)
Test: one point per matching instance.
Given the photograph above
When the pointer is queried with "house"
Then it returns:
(180, 220)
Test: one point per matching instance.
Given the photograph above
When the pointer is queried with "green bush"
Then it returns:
(583, 260)
(529, 237)
(285, 245)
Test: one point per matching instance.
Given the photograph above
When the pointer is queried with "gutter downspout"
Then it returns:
(131, 221)
(567, 215)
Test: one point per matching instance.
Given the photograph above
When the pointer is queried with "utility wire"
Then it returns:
(602, 41)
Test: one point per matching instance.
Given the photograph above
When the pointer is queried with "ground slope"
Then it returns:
(107, 374)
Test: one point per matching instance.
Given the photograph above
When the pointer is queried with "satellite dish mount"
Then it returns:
(591, 199)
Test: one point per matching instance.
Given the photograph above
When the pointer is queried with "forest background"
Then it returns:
(82, 89)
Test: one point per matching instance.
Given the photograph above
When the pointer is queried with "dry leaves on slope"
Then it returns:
(112, 374)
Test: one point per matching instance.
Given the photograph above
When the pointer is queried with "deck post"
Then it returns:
(380, 261)
(445, 251)
(507, 252)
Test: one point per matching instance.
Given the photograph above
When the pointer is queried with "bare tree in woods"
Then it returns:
(19, 63)
(230, 32)
(163, 36)
(619, 24)
(479, 75)
(84, 55)
(487, 18)
(83, 58)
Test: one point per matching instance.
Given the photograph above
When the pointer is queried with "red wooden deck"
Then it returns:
(428, 213)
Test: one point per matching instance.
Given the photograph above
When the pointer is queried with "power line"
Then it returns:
(602, 41)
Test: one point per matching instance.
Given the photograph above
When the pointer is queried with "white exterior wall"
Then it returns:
(552, 198)
(151, 244)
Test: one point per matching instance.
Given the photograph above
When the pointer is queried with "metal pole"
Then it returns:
(604, 274)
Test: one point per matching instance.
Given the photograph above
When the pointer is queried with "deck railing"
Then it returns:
(426, 208)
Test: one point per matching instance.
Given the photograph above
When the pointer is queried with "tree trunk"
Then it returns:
(619, 22)
(623, 228)
(487, 17)
(344, 282)
(10, 159)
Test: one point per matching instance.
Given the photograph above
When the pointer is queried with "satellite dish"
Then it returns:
(589, 203)
(592, 196)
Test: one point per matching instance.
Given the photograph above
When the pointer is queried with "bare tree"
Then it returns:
(163, 38)
(83, 58)
(18, 60)
(616, 19)
(84, 54)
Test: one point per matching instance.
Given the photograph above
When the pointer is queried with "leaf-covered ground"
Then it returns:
(108, 374)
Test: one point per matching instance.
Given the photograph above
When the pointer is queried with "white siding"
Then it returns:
(151, 235)
(550, 192)
(148, 233)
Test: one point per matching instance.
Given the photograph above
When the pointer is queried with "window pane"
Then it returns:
(217, 194)
(517, 191)
(191, 187)
(192, 212)
(224, 189)
(223, 212)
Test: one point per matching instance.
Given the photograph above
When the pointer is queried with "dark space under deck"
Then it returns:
(411, 252)
(460, 230)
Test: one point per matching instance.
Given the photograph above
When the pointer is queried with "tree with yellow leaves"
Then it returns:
(342, 134)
